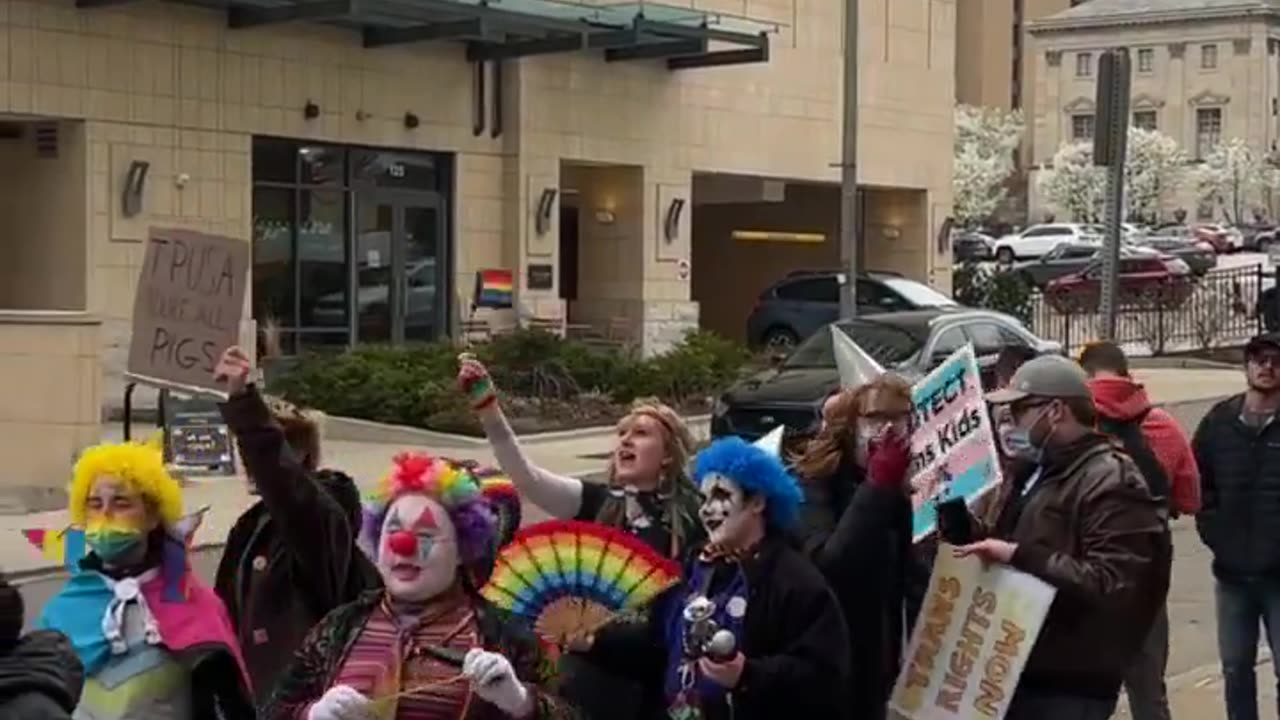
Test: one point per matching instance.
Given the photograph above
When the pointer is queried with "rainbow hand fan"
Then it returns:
(570, 578)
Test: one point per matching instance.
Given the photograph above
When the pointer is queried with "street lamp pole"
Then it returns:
(849, 164)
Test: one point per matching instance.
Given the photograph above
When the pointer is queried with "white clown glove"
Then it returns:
(495, 681)
(342, 702)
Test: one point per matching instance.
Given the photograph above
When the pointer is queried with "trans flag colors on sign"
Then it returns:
(953, 451)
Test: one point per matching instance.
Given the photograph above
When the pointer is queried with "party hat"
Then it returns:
(772, 442)
(855, 365)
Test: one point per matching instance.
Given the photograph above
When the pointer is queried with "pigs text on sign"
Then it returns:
(188, 307)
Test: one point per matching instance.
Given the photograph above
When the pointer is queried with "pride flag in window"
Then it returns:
(493, 289)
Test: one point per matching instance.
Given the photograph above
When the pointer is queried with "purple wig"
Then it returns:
(451, 485)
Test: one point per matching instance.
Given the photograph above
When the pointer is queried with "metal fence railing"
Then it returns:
(1216, 310)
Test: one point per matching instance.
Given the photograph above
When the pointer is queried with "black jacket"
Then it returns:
(1239, 492)
(40, 678)
(794, 640)
(859, 536)
(292, 557)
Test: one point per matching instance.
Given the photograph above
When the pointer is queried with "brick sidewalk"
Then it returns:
(1197, 695)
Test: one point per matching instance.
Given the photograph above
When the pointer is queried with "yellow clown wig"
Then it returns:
(138, 465)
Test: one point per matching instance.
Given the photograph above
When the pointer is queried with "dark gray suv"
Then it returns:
(795, 307)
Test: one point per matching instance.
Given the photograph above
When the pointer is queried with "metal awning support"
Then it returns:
(651, 50)
(247, 16)
(478, 52)
(469, 29)
(721, 58)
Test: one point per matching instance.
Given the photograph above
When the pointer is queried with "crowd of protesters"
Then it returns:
(327, 608)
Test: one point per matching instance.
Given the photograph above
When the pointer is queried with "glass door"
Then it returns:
(400, 268)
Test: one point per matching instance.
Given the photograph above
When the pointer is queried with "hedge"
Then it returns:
(547, 382)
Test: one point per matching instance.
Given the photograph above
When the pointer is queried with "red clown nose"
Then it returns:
(403, 543)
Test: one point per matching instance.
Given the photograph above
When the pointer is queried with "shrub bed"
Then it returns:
(547, 383)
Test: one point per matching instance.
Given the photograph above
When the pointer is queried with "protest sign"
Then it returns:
(953, 451)
(188, 307)
(976, 628)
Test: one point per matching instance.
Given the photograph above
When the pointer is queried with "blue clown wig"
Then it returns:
(757, 472)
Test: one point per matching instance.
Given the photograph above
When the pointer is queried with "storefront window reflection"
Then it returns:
(322, 264)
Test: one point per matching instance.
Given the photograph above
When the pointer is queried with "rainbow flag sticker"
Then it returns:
(493, 289)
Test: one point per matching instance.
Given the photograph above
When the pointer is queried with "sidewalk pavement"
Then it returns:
(1197, 695)
(580, 454)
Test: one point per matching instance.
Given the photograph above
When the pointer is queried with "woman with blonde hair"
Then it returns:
(857, 525)
(649, 494)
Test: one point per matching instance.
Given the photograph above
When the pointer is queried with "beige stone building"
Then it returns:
(1202, 72)
(377, 154)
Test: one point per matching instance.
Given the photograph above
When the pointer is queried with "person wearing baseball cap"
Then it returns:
(1237, 446)
(1085, 523)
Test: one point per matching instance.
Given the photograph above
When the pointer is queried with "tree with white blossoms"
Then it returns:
(986, 140)
(1230, 175)
(1073, 185)
(1154, 166)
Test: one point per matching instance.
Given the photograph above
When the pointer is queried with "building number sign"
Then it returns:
(395, 170)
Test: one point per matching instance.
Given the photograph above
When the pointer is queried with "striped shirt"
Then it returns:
(453, 627)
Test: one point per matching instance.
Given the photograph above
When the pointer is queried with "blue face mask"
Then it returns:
(1018, 444)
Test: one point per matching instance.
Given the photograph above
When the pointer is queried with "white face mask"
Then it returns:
(418, 554)
(723, 512)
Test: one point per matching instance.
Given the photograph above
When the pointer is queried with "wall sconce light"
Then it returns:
(891, 232)
(410, 120)
(671, 224)
(134, 182)
(546, 203)
(361, 116)
(944, 236)
(605, 216)
(310, 111)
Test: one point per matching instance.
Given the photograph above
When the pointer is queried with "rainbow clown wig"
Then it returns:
(453, 486)
(757, 472)
(138, 465)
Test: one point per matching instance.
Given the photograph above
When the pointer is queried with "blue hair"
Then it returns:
(757, 472)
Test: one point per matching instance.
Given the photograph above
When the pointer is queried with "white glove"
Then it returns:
(342, 702)
(495, 681)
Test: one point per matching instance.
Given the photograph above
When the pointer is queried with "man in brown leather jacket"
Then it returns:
(1085, 523)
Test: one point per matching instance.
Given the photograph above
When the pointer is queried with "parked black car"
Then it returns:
(971, 246)
(911, 343)
(795, 307)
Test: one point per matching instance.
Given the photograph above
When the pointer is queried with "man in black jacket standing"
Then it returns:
(1237, 447)
(292, 557)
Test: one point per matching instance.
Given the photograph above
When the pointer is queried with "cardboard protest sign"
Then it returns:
(188, 306)
(975, 632)
(953, 451)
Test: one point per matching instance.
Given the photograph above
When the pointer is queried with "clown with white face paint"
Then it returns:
(427, 647)
(753, 632)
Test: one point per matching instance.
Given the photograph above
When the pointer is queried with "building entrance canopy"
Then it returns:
(504, 29)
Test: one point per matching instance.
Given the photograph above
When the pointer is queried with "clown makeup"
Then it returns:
(726, 512)
(117, 519)
(418, 554)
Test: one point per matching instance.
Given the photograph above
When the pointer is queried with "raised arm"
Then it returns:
(558, 495)
(315, 528)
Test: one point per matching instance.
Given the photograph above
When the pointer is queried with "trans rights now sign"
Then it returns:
(972, 639)
(953, 450)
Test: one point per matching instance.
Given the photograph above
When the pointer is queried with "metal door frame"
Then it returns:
(398, 292)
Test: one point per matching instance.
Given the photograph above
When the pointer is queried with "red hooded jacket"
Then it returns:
(1121, 399)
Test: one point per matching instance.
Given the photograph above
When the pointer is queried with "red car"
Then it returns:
(1144, 282)
(1215, 235)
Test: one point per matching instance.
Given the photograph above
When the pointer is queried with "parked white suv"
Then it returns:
(1038, 240)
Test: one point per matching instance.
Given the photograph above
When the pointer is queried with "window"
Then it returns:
(1084, 65)
(875, 296)
(986, 338)
(820, 289)
(1208, 57)
(1144, 119)
(1045, 232)
(1082, 127)
(1208, 130)
(951, 340)
(1146, 60)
